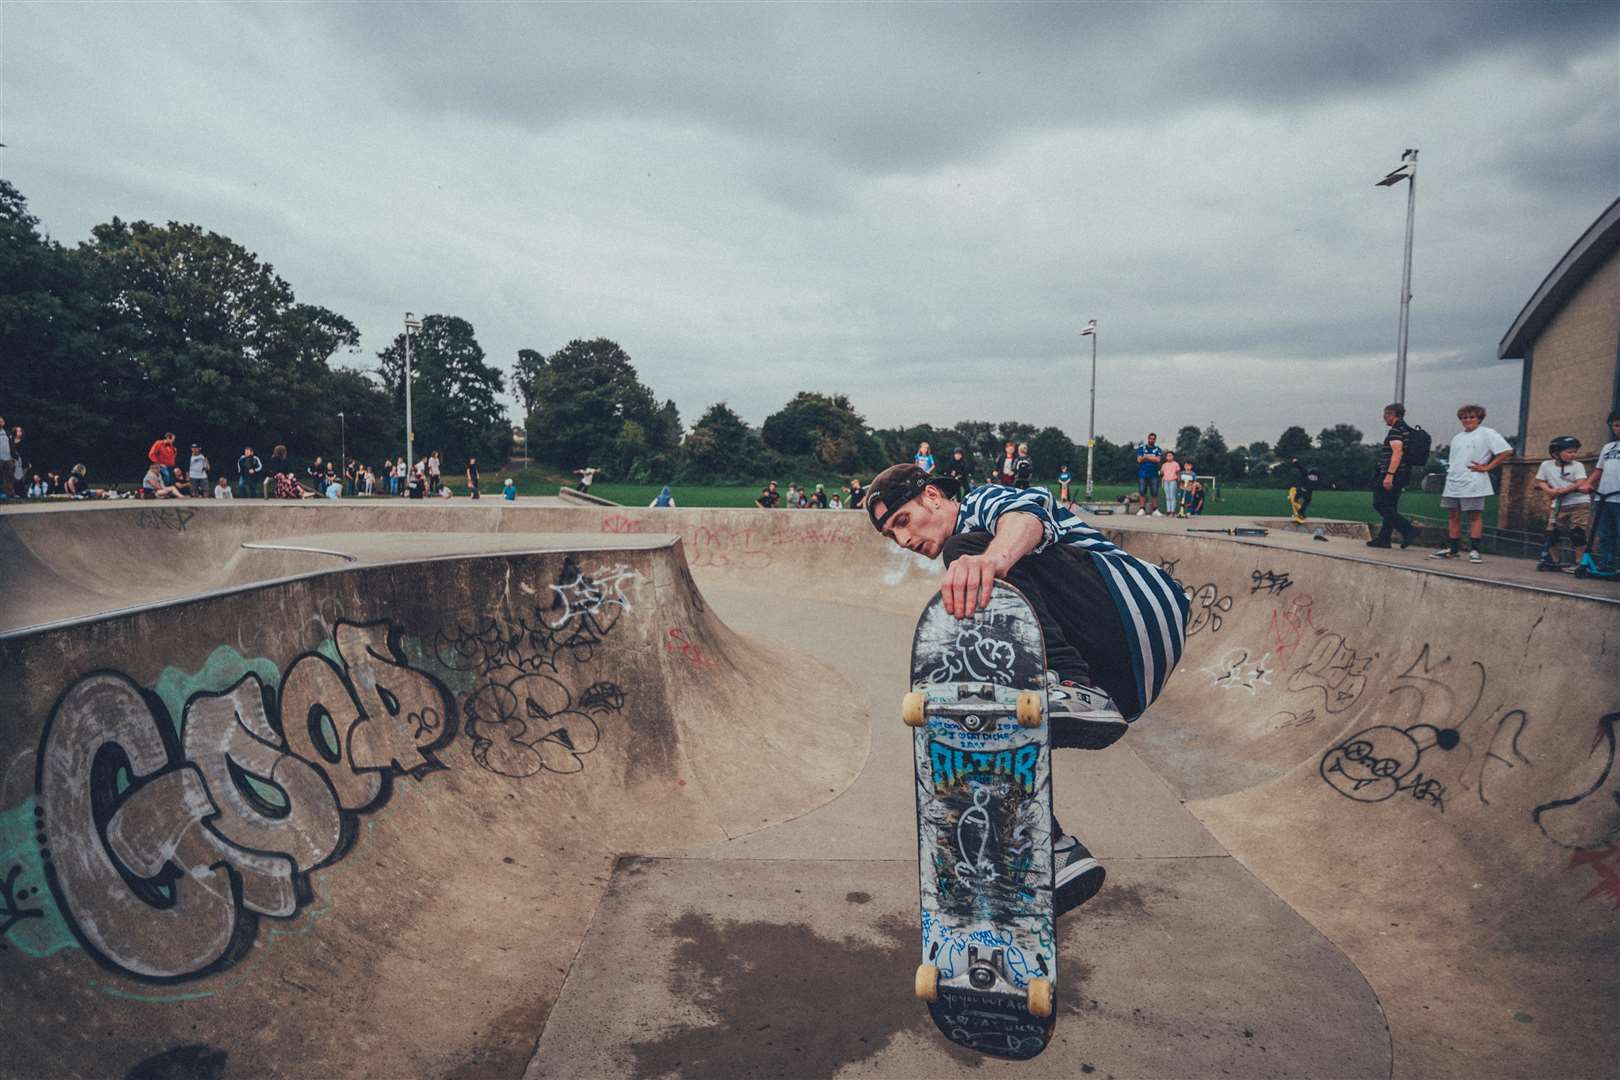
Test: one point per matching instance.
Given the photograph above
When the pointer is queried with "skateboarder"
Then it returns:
(1114, 626)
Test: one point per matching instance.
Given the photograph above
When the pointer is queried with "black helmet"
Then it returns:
(1562, 443)
(958, 450)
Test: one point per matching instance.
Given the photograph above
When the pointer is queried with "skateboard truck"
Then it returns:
(973, 701)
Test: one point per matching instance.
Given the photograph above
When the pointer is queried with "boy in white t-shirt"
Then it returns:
(1605, 484)
(1475, 451)
(1562, 478)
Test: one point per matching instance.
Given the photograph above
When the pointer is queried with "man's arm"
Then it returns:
(970, 579)
(1493, 463)
(1397, 451)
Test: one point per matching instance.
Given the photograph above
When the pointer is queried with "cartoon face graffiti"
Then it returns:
(1374, 764)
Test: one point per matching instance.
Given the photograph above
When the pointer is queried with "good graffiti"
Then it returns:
(165, 838)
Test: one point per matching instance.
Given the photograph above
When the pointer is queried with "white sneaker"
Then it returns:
(1158, 513)
(1475, 557)
(1443, 553)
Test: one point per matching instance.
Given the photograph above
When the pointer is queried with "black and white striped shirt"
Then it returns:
(1151, 605)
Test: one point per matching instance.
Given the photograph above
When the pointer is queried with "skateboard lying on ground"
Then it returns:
(984, 825)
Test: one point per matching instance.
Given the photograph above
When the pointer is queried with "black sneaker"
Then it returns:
(1077, 875)
(1378, 542)
(1407, 538)
(1083, 717)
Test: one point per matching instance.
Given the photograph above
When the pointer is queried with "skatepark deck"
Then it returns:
(482, 790)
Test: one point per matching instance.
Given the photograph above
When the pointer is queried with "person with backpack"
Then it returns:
(1404, 449)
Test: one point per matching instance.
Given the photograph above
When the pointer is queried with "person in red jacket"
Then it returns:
(162, 455)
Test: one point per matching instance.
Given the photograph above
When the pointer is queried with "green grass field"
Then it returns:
(1243, 501)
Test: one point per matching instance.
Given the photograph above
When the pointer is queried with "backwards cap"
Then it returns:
(898, 485)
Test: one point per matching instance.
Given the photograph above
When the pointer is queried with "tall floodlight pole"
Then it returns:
(411, 323)
(343, 449)
(1091, 430)
(1407, 172)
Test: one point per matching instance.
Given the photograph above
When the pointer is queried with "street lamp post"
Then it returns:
(411, 323)
(1091, 429)
(343, 451)
(1407, 172)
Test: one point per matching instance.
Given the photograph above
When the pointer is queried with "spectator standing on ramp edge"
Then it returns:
(1148, 460)
(1114, 626)
(1390, 477)
(1475, 451)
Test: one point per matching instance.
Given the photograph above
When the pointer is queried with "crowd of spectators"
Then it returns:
(169, 474)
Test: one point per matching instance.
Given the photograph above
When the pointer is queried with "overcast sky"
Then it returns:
(919, 205)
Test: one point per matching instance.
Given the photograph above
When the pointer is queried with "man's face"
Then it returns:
(1469, 422)
(1614, 428)
(923, 524)
(1152, 439)
(1390, 418)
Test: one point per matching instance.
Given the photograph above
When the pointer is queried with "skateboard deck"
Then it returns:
(984, 825)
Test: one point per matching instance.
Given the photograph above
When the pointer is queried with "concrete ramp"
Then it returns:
(356, 823)
(1422, 766)
(484, 790)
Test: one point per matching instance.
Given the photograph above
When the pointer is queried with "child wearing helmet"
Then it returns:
(1563, 479)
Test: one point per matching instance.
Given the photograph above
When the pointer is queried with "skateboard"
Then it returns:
(978, 711)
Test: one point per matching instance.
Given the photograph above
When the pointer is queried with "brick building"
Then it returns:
(1569, 338)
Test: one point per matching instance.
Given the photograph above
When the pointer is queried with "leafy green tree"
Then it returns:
(75, 402)
(823, 430)
(1291, 443)
(455, 393)
(720, 447)
(1051, 449)
(1237, 463)
(1187, 447)
(526, 377)
(582, 396)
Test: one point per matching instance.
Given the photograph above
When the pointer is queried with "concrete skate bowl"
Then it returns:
(1419, 766)
(356, 821)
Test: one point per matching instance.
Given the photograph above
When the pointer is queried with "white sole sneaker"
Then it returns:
(1082, 717)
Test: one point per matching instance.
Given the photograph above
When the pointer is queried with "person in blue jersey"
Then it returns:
(1114, 626)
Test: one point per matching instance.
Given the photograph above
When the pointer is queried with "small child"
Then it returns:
(1023, 467)
(1064, 479)
(1475, 451)
(1114, 626)
(1192, 500)
(1561, 477)
(1189, 479)
(1299, 496)
(222, 489)
(509, 490)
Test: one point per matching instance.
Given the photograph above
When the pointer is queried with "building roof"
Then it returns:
(1583, 257)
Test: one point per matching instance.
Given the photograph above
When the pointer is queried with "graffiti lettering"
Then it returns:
(1289, 627)
(169, 520)
(595, 599)
(1270, 581)
(1335, 669)
(163, 843)
(531, 724)
(1605, 863)
(679, 643)
(1236, 671)
(1208, 609)
(1591, 817)
(11, 902)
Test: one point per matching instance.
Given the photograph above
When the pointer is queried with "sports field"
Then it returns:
(1247, 501)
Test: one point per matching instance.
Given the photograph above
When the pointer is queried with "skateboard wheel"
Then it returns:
(1029, 708)
(1040, 998)
(927, 982)
(911, 709)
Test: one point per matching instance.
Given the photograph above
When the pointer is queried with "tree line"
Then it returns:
(144, 328)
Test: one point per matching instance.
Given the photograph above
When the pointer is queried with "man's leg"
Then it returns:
(1085, 638)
